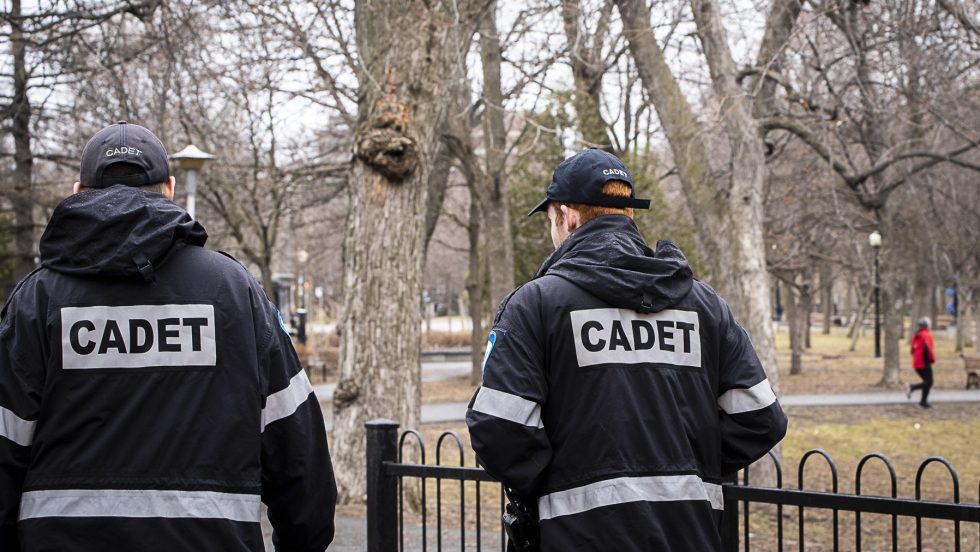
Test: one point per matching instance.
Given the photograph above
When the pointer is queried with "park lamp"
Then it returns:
(875, 239)
(191, 159)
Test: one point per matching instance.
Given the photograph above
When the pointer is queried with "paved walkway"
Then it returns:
(439, 370)
(452, 412)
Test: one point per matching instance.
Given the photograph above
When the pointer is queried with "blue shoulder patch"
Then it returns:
(491, 341)
(282, 323)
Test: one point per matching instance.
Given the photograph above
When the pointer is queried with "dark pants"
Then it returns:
(925, 386)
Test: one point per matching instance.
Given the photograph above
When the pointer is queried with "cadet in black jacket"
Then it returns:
(149, 397)
(617, 390)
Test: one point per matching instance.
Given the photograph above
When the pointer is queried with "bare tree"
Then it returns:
(42, 40)
(405, 51)
(498, 239)
(846, 110)
(728, 199)
(588, 64)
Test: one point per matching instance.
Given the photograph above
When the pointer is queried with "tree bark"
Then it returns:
(961, 320)
(976, 321)
(744, 198)
(406, 50)
(730, 207)
(892, 303)
(438, 182)
(892, 325)
(475, 287)
(779, 24)
(827, 297)
(681, 127)
(587, 71)
(730, 236)
(21, 198)
(921, 297)
(857, 327)
(794, 322)
(806, 306)
(497, 230)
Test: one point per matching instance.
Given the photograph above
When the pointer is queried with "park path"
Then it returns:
(440, 368)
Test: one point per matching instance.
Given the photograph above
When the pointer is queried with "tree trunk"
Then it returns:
(827, 297)
(690, 153)
(406, 49)
(976, 320)
(857, 325)
(961, 320)
(744, 200)
(729, 208)
(438, 182)
(587, 74)
(265, 270)
(892, 325)
(779, 24)
(921, 292)
(806, 307)
(499, 241)
(730, 213)
(794, 323)
(474, 287)
(892, 298)
(21, 199)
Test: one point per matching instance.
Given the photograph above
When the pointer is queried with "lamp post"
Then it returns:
(874, 239)
(191, 159)
(302, 256)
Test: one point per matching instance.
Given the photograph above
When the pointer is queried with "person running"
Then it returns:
(923, 357)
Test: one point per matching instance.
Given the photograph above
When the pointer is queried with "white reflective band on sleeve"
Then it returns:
(140, 503)
(15, 428)
(660, 488)
(283, 403)
(756, 397)
(509, 407)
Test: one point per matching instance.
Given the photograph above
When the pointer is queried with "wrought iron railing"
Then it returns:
(386, 510)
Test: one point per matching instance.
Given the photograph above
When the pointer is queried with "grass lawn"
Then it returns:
(830, 367)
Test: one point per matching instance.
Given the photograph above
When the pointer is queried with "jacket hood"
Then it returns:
(117, 231)
(608, 257)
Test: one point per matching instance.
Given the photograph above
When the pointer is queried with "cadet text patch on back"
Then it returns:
(137, 336)
(622, 336)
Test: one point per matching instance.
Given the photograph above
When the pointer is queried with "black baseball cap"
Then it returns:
(124, 143)
(580, 178)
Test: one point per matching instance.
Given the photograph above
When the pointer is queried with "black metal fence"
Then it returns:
(386, 511)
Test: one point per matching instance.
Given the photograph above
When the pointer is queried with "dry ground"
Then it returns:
(829, 367)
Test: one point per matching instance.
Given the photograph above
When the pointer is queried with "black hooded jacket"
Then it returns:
(149, 397)
(617, 391)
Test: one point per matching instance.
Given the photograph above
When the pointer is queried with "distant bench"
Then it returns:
(972, 366)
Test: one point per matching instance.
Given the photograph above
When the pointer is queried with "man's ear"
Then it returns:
(570, 217)
(77, 187)
(168, 188)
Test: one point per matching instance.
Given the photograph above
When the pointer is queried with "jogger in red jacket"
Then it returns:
(923, 357)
